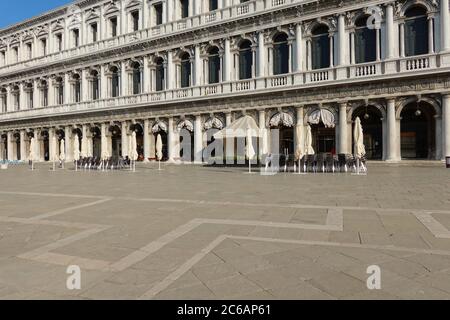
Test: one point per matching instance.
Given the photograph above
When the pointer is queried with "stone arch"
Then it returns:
(381, 107)
(431, 101)
(330, 23)
(426, 4)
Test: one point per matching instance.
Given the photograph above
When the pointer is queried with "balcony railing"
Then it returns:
(306, 79)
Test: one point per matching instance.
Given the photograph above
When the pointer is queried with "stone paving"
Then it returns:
(191, 232)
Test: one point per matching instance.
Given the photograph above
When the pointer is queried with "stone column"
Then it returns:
(331, 37)
(198, 140)
(430, 35)
(197, 66)
(402, 39)
(9, 141)
(171, 141)
(22, 98)
(36, 100)
(51, 152)
(229, 143)
(343, 129)
(170, 71)
(261, 55)
(445, 26)
(226, 61)
(392, 140)
(298, 48)
(146, 140)
(67, 90)
(446, 125)
(342, 41)
(102, 139)
(68, 140)
(23, 145)
(123, 80)
(124, 130)
(146, 76)
(390, 36)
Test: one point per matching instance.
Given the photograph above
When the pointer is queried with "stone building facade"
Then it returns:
(99, 68)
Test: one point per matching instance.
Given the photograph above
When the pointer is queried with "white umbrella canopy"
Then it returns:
(76, 148)
(32, 155)
(239, 129)
(300, 149)
(62, 150)
(358, 136)
(133, 148)
(308, 141)
(159, 146)
(250, 151)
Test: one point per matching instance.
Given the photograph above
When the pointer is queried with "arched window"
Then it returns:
(136, 76)
(44, 93)
(184, 8)
(185, 70)
(95, 94)
(416, 31)
(280, 54)
(16, 97)
(213, 5)
(320, 47)
(213, 65)
(365, 41)
(160, 76)
(245, 60)
(3, 93)
(59, 84)
(114, 81)
(76, 88)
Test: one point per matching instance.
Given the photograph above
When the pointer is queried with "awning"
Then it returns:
(239, 128)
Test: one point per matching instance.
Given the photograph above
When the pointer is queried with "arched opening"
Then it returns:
(418, 131)
(186, 134)
(96, 142)
(59, 85)
(4, 146)
(320, 47)
(16, 97)
(76, 88)
(16, 141)
(184, 8)
(137, 127)
(136, 77)
(283, 123)
(45, 145)
(185, 70)
(114, 81)
(280, 54)
(371, 122)
(245, 60)
(160, 75)
(77, 132)
(365, 41)
(95, 84)
(213, 65)
(116, 141)
(416, 31)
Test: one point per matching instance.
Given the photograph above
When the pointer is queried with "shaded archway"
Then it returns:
(139, 129)
(371, 121)
(4, 146)
(16, 141)
(116, 140)
(160, 128)
(283, 122)
(96, 142)
(186, 140)
(417, 131)
(45, 145)
(323, 130)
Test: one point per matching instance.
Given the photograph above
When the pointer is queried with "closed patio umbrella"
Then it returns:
(159, 146)
(133, 150)
(32, 155)
(308, 141)
(300, 148)
(62, 152)
(249, 150)
(76, 151)
(358, 137)
(54, 154)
